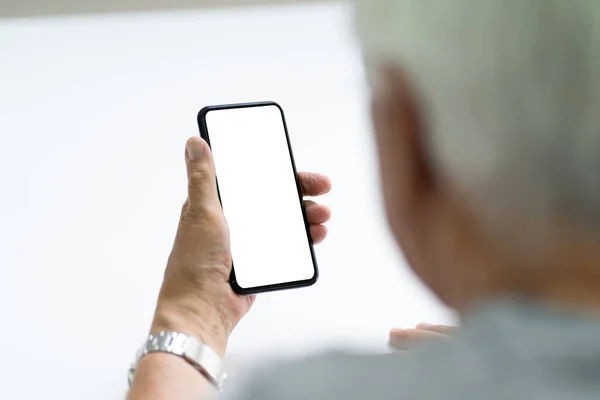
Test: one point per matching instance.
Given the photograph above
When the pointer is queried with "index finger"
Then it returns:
(314, 184)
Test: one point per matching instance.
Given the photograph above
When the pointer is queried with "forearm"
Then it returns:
(165, 376)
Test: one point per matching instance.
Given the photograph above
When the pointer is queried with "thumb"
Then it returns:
(202, 183)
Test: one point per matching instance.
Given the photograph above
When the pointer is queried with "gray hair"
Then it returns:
(511, 92)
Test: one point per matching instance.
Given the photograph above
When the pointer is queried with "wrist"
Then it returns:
(203, 323)
(181, 380)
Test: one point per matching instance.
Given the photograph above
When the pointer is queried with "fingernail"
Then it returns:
(194, 149)
(424, 325)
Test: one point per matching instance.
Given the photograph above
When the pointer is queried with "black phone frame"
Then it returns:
(232, 280)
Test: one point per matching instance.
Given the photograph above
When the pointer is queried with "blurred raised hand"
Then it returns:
(407, 339)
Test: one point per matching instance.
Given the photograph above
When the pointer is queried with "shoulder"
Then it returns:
(351, 376)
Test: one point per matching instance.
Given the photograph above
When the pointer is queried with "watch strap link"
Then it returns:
(196, 353)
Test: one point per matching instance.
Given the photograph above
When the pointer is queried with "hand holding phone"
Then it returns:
(261, 196)
(196, 297)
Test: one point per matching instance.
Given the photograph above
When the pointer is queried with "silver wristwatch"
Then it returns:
(198, 354)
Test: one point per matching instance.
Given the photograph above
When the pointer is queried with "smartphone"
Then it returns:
(261, 197)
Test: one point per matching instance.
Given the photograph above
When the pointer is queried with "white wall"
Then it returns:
(29, 8)
(94, 114)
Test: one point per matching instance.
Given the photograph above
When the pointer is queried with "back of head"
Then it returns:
(511, 95)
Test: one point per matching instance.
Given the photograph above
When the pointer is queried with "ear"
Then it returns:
(414, 198)
(406, 175)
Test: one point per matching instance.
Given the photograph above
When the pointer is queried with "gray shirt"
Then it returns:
(507, 349)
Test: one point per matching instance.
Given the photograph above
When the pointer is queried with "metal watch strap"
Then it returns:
(198, 354)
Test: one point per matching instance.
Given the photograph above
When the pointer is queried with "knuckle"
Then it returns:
(203, 211)
(198, 178)
(307, 183)
(212, 212)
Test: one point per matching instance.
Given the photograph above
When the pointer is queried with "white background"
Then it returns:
(94, 114)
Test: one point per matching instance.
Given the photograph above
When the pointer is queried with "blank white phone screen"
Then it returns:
(269, 243)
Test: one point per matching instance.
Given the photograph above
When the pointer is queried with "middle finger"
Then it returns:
(316, 213)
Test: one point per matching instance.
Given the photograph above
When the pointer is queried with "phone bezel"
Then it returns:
(232, 280)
